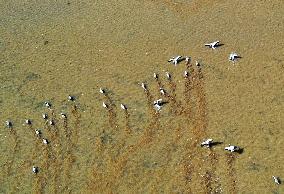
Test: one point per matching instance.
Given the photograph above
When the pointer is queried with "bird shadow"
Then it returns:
(163, 103)
(216, 143)
(240, 151)
(219, 45)
(182, 59)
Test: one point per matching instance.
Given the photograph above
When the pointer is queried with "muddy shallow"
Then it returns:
(50, 50)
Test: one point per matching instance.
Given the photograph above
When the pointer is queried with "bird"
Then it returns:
(185, 74)
(197, 64)
(187, 59)
(105, 105)
(63, 115)
(175, 60)
(143, 85)
(213, 45)
(28, 121)
(157, 107)
(207, 143)
(35, 169)
(162, 91)
(232, 148)
(51, 122)
(47, 104)
(233, 56)
(276, 180)
(45, 141)
(123, 107)
(102, 91)
(158, 102)
(38, 132)
(45, 116)
(156, 76)
(71, 98)
(168, 75)
(8, 123)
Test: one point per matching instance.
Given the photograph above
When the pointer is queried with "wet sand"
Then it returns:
(50, 50)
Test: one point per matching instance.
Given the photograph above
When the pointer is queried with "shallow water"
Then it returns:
(50, 50)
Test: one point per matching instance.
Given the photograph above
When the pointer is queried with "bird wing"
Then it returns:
(216, 42)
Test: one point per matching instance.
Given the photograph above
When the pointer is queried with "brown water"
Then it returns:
(51, 49)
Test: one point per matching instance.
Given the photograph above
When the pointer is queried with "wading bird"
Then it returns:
(157, 107)
(63, 115)
(155, 76)
(51, 122)
(197, 64)
(185, 74)
(213, 45)
(143, 85)
(45, 116)
(122, 106)
(47, 104)
(207, 143)
(71, 98)
(175, 60)
(276, 180)
(45, 141)
(102, 91)
(233, 57)
(105, 105)
(232, 148)
(37, 132)
(162, 91)
(8, 123)
(35, 169)
(187, 59)
(168, 75)
(158, 102)
(28, 121)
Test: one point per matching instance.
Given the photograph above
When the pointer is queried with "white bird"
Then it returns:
(207, 143)
(28, 121)
(45, 116)
(213, 45)
(159, 102)
(8, 123)
(102, 91)
(197, 64)
(233, 56)
(175, 60)
(168, 75)
(157, 107)
(155, 76)
(37, 132)
(63, 115)
(105, 105)
(232, 148)
(143, 85)
(276, 180)
(51, 122)
(162, 91)
(123, 107)
(71, 98)
(45, 141)
(187, 59)
(185, 74)
(35, 169)
(47, 104)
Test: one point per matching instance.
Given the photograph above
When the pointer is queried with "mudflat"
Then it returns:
(51, 49)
